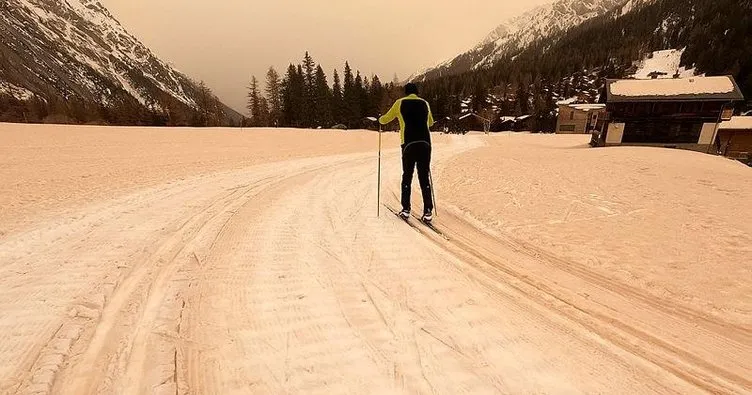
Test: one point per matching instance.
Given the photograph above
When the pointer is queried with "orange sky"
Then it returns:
(224, 42)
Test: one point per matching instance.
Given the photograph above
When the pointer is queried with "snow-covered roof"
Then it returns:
(587, 107)
(737, 123)
(722, 88)
(567, 101)
(522, 117)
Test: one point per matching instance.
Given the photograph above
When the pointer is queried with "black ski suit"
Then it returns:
(415, 119)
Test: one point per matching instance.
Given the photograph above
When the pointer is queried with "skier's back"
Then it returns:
(415, 118)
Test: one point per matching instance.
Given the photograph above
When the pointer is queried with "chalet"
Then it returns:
(677, 113)
(735, 138)
(522, 123)
(579, 118)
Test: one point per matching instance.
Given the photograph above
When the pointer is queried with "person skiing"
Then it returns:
(415, 118)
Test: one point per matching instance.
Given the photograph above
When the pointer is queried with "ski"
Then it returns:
(397, 214)
(432, 227)
(428, 225)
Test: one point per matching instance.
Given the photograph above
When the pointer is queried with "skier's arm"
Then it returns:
(430, 116)
(391, 115)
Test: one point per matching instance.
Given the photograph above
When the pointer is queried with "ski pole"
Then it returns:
(433, 193)
(378, 198)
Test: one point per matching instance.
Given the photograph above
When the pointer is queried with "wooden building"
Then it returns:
(580, 118)
(677, 113)
(735, 139)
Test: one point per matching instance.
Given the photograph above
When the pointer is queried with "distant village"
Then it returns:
(694, 113)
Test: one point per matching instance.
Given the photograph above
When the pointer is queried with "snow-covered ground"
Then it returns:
(219, 261)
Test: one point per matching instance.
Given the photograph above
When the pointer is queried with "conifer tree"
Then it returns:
(323, 99)
(308, 69)
(350, 98)
(254, 108)
(274, 96)
(337, 103)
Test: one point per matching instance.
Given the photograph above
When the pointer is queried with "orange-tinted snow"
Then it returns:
(219, 261)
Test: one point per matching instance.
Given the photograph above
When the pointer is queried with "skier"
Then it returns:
(415, 118)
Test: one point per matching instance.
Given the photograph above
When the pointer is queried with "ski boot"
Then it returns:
(428, 217)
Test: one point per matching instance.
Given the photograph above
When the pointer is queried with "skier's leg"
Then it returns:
(408, 168)
(424, 168)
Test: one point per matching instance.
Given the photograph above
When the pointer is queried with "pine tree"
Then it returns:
(337, 99)
(376, 95)
(323, 99)
(350, 98)
(274, 97)
(293, 89)
(309, 74)
(263, 116)
(254, 102)
(360, 96)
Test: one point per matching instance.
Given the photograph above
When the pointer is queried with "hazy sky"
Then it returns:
(224, 42)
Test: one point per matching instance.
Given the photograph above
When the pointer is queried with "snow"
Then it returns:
(588, 107)
(567, 101)
(666, 62)
(563, 266)
(673, 87)
(539, 23)
(124, 48)
(627, 7)
(738, 123)
(15, 91)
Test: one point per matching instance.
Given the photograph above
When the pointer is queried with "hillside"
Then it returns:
(714, 38)
(74, 62)
(515, 35)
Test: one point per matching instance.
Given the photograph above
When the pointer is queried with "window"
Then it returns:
(571, 116)
(662, 132)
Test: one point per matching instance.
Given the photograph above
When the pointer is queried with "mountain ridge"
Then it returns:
(76, 53)
(515, 34)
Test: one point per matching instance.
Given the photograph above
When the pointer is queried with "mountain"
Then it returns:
(636, 39)
(79, 64)
(516, 34)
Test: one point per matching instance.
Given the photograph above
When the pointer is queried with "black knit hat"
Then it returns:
(411, 89)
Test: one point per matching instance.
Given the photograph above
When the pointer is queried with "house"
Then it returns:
(512, 123)
(735, 138)
(677, 113)
(579, 118)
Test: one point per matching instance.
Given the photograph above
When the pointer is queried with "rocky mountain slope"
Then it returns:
(79, 62)
(516, 34)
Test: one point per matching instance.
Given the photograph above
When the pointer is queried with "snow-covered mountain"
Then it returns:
(516, 34)
(75, 50)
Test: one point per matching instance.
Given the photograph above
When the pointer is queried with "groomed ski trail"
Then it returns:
(280, 279)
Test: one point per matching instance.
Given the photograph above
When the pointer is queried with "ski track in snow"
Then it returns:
(279, 278)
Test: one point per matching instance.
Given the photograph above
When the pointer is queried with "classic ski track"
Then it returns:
(100, 308)
(730, 342)
(278, 279)
(172, 254)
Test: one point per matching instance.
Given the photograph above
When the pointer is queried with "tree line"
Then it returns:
(161, 109)
(303, 97)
